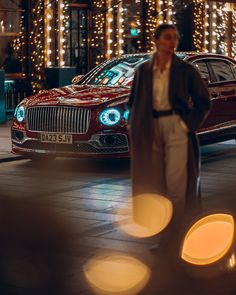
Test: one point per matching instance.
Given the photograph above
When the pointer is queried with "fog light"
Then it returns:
(17, 135)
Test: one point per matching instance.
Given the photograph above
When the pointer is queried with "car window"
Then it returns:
(201, 66)
(233, 68)
(117, 72)
(222, 70)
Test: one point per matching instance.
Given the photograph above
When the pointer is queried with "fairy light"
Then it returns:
(213, 31)
(170, 6)
(19, 43)
(98, 28)
(199, 21)
(234, 32)
(48, 15)
(120, 29)
(64, 29)
(109, 29)
(36, 42)
(221, 29)
(61, 28)
(151, 23)
(206, 28)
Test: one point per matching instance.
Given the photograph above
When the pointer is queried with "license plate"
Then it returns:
(56, 138)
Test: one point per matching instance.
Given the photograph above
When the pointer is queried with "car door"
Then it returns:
(213, 118)
(225, 86)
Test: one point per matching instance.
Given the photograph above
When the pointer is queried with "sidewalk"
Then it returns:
(5, 144)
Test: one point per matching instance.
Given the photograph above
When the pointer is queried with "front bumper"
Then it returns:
(99, 145)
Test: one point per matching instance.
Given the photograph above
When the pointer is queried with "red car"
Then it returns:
(89, 119)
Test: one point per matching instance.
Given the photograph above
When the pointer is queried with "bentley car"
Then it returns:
(89, 117)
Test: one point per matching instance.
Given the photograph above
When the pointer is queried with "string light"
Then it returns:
(98, 23)
(151, 23)
(213, 31)
(36, 42)
(199, 27)
(109, 30)
(48, 15)
(19, 43)
(63, 13)
(234, 32)
(120, 29)
(221, 29)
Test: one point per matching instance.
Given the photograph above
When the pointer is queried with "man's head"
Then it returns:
(166, 37)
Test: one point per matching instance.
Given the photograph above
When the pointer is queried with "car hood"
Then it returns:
(78, 95)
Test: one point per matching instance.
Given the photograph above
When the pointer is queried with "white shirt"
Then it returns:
(161, 88)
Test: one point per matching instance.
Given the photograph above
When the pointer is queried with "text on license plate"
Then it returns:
(56, 138)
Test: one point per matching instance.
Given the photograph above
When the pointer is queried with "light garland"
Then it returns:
(48, 27)
(98, 28)
(151, 23)
(37, 45)
(221, 29)
(234, 34)
(207, 28)
(65, 29)
(213, 30)
(199, 20)
(63, 17)
(120, 29)
(109, 29)
(19, 43)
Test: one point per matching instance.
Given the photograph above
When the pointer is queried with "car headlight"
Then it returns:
(20, 113)
(110, 117)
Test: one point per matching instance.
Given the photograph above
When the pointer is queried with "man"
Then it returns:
(168, 103)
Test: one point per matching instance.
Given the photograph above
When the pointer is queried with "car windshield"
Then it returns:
(115, 73)
(118, 72)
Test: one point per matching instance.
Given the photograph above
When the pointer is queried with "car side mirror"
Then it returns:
(76, 79)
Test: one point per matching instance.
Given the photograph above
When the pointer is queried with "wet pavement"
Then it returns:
(91, 197)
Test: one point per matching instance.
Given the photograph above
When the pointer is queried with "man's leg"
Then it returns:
(158, 164)
(176, 163)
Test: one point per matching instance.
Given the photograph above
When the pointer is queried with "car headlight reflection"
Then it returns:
(20, 113)
(110, 117)
(126, 115)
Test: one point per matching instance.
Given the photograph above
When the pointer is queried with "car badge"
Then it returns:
(59, 99)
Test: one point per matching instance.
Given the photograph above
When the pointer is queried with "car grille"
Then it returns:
(58, 119)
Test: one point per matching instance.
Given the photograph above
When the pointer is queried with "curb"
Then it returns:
(11, 158)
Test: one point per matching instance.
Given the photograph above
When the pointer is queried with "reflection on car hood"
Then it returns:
(78, 95)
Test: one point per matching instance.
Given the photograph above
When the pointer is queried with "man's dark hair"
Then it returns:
(162, 28)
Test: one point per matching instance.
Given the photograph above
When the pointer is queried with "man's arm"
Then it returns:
(200, 99)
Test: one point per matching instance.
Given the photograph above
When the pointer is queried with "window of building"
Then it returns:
(132, 13)
(76, 51)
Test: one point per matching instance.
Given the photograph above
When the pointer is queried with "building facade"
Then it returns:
(82, 33)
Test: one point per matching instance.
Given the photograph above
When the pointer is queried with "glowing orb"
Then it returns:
(150, 214)
(116, 274)
(209, 239)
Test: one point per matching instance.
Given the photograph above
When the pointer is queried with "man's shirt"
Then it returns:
(161, 88)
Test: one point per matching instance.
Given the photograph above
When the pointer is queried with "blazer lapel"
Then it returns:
(149, 77)
(176, 62)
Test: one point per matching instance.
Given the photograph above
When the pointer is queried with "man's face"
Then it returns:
(168, 41)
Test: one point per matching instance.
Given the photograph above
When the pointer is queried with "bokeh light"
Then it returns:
(116, 274)
(209, 239)
(147, 215)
